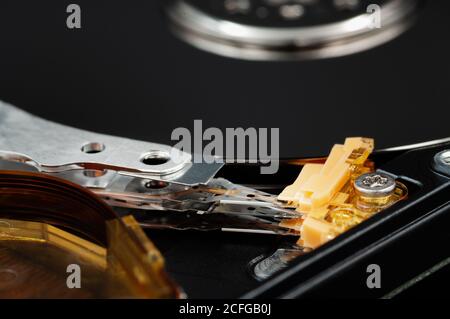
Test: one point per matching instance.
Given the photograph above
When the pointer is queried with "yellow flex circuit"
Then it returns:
(325, 194)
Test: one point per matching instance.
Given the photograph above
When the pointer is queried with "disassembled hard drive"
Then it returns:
(224, 149)
(56, 182)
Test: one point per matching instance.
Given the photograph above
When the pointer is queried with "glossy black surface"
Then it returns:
(123, 73)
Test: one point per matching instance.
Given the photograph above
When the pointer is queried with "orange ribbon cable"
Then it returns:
(58, 240)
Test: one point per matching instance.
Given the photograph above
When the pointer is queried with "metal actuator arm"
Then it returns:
(52, 147)
(123, 171)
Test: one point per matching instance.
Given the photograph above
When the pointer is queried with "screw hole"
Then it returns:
(93, 148)
(155, 158)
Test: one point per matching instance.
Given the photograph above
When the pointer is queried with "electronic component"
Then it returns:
(339, 194)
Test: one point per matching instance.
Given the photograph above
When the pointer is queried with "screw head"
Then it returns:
(444, 157)
(441, 162)
(375, 185)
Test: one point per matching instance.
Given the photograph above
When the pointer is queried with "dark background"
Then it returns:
(123, 73)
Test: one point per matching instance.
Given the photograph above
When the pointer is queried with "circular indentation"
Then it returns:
(375, 184)
(93, 148)
(155, 184)
(154, 158)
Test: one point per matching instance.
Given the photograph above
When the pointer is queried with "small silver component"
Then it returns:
(265, 266)
(375, 185)
(444, 157)
(442, 162)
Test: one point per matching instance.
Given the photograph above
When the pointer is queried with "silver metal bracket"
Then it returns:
(53, 148)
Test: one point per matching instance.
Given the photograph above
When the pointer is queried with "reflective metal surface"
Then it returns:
(441, 162)
(286, 30)
(375, 185)
(52, 147)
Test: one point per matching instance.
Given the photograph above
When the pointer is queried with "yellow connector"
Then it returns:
(318, 183)
(326, 195)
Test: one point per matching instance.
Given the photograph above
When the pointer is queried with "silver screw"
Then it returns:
(444, 157)
(441, 162)
(375, 185)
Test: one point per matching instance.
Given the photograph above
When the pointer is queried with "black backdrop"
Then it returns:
(123, 73)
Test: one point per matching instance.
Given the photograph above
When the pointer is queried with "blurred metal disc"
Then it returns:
(289, 29)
